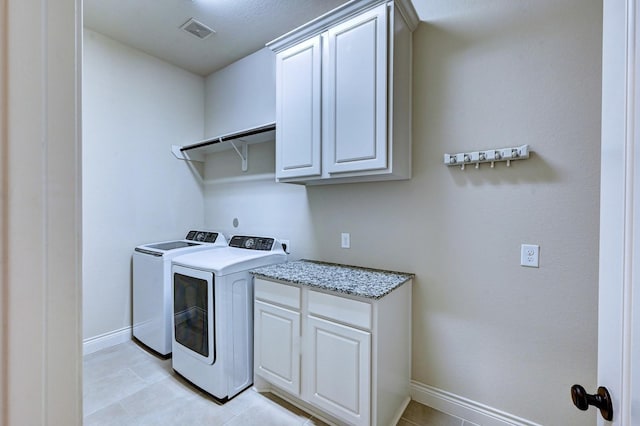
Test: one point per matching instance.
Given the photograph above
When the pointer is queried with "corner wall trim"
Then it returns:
(464, 408)
(106, 340)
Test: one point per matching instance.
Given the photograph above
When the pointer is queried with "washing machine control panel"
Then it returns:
(252, 243)
(202, 236)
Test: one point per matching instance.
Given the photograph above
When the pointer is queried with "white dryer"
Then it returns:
(152, 285)
(213, 313)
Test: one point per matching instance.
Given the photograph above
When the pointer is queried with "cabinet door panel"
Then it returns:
(339, 370)
(357, 93)
(277, 346)
(298, 110)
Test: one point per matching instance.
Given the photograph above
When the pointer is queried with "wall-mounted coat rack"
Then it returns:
(492, 156)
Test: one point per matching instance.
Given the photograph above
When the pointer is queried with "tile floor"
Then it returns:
(126, 385)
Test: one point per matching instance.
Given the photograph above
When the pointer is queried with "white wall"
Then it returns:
(241, 95)
(261, 206)
(489, 74)
(134, 190)
(238, 97)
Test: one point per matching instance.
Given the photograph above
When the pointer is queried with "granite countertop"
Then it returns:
(353, 280)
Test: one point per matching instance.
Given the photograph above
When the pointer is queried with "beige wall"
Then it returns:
(512, 73)
(487, 74)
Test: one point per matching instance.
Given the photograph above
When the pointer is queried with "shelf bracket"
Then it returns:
(244, 155)
(183, 155)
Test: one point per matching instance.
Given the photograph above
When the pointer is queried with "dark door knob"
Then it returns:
(601, 400)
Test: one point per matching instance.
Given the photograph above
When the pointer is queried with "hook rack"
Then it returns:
(488, 156)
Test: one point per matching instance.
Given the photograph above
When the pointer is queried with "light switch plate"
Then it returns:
(345, 240)
(530, 255)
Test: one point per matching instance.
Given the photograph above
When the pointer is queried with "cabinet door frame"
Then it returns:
(291, 160)
(290, 384)
(338, 109)
(361, 415)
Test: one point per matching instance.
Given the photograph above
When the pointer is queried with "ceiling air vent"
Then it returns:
(197, 28)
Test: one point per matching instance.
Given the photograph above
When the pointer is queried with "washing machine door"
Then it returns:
(194, 313)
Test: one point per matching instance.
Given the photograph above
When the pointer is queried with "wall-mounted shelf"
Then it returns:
(238, 141)
(492, 156)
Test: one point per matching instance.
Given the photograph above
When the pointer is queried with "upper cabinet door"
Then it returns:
(356, 93)
(298, 109)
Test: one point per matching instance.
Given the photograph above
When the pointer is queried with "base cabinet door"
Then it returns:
(277, 346)
(338, 370)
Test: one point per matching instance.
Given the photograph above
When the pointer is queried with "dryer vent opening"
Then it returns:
(197, 29)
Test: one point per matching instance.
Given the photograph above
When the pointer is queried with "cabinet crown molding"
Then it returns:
(341, 13)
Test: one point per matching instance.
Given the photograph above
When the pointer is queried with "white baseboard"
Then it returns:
(403, 407)
(471, 411)
(106, 340)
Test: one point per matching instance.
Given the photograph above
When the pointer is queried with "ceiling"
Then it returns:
(241, 26)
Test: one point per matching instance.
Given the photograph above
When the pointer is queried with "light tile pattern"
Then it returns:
(420, 415)
(126, 385)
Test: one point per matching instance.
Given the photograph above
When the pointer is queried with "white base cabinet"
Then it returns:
(278, 345)
(343, 95)
(347, 359)
(340, 366)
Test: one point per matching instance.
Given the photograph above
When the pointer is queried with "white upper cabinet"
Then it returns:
(343, 103)
(298, 71)
(356, 95)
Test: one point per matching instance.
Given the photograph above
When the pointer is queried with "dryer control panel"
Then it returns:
(251, 243)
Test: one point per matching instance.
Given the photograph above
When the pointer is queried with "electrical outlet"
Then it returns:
(345, 240)
(529, 255)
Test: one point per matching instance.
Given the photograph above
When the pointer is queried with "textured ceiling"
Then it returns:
(242, 26)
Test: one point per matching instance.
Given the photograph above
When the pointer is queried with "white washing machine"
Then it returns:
(213, 313)
(152, 285)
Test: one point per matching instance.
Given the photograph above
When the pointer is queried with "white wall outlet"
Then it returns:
(287, 245)
(529, 255)
(345, 240)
